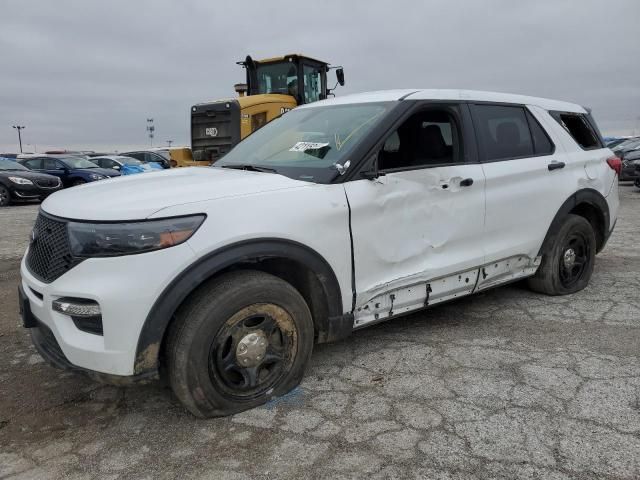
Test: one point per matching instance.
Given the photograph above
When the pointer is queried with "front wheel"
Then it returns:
(238, 341)
(568, 258)
(5, 196)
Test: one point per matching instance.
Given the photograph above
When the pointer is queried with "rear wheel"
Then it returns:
(5, 196)
(238, 341)
(568, 258)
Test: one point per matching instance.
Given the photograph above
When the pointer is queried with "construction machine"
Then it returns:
(273, 86)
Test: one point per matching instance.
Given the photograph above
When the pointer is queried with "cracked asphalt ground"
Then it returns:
(507, 384)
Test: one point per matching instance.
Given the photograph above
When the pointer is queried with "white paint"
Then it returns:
(411, 235)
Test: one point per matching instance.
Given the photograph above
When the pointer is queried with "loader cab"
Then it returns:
(273, 87)
(303, 78)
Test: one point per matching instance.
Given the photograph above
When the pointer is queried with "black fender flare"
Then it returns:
(589, 196)
(337, 325)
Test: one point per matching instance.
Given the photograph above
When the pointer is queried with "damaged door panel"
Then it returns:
(415, 225)
(414, 297)
(506, 270)
(424, 294)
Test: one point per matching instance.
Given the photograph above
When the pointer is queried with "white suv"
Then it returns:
(335, 216)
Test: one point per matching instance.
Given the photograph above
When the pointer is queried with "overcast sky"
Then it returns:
(87, 74)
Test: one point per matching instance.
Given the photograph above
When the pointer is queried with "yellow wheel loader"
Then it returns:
(273, 86)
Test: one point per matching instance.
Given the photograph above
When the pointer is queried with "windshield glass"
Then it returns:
(307, 143)
(129, 161)
(10, 165)
(277, 78)
(77, 162)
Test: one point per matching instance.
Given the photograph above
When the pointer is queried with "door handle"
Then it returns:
(555, 165)
(467, 182)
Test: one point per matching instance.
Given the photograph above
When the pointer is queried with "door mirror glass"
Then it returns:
(116, 167)
(340, 76)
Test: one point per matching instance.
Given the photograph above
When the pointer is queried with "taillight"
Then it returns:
(615, 163)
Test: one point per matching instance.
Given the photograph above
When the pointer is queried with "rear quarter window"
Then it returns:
(580, 129)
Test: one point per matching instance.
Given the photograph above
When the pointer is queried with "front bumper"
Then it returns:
(125, 288)
(31, 192)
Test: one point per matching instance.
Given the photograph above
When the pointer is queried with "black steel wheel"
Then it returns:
(254, 348)
(237, 341)
(568, 258)
(5, 196)
(574, 259)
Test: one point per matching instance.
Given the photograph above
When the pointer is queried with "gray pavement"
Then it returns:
(507, 384)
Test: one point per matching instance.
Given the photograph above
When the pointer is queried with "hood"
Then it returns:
(27, 174)
(134, 197)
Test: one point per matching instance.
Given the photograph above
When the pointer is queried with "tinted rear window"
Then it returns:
(504, 131)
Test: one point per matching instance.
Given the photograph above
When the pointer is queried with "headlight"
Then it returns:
(21, 181)
(112, 239)
(95, 176)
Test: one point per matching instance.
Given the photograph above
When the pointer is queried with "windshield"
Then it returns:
(10, 165)
(77, 162)
(277, 78)
(307, 143)
(129, 161)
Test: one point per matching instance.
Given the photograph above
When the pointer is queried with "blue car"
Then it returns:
(125, 165)
(71, 170)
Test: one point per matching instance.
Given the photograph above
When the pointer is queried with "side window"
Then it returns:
(136, 155)
(50, 164)
(428, 138)
(579, 128)
(312, 83)
(542, 145)
(503, 131)
(35, 163)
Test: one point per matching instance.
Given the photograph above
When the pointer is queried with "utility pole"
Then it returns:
(18, 127)
(169, 142)
(150, 129)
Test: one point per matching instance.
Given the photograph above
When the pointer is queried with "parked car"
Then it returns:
(125, 165)
(148, 157)
(18, 183)
(631, 167)
(71, 170)
(627, 146)
(614, 142)
(333, 217)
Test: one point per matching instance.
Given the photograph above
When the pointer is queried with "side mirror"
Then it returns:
(372, 172)
(340, 76)
(116, 167)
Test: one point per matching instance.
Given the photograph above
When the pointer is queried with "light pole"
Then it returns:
(169, 142)
(18, 127)
(150, 129)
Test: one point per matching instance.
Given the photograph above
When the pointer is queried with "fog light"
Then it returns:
(77, 307)
(85, 313)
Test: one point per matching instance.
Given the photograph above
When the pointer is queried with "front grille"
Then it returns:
(47, 182)
(49, 254)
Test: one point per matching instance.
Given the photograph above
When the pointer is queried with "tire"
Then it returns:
(568, 257)
(5, 196)
(77, 182)
(227, 321)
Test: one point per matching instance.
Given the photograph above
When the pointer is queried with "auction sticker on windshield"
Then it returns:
(304, 146)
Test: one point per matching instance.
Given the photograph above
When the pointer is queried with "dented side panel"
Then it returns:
(412, 226)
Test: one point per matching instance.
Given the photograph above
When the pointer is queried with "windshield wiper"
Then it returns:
(251, 168)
